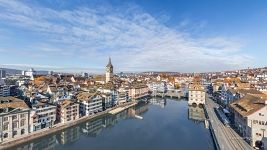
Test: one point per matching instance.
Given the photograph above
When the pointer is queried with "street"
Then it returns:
(227, 138)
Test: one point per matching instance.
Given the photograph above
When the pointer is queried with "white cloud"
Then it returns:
(134, 39)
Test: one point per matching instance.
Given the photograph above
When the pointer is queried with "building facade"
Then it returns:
(4, 90)
(250, 118)
(2, 73)
(14, 118)
(67, 111)
(43, 115)
(138, 91)
(90, 103)
(196, 94)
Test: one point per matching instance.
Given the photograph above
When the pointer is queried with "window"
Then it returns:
(22, 115)
(22, 122)
(15, 133)
(14, 117)
(22, 131)
(5, 127)
(5, 119)
(15, 124)
(5, 135)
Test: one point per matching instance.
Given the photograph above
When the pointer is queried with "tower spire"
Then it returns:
(109, 60)
(109, 63)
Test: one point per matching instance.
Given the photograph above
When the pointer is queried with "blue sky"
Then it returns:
(169, 35)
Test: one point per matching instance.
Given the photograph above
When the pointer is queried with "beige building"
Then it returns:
(138, 91)
(14, 118)
(250, 117)
(196, 94)
(67, 111)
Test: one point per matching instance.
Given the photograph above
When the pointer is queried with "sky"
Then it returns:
(138, 35)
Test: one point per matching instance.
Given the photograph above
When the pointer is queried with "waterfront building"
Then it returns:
(250, 119)
(196, 94)
(109, 71)
(4, 90)
(43, 115)
(67, 110)
(107, 100)
(137, 91)
(158, 86)
(110, 88)
(90, 103)
(123, 95)
(14, 118)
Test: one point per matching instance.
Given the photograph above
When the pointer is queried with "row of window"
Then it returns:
(14, 117)
(259, 122)
(14, 133)
(14, 124)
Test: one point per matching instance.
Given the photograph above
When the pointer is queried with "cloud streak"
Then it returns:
(136, 40)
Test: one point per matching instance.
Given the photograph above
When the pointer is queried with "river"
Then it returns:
(161, 124)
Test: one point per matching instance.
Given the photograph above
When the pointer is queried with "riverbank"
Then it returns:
(58, 127)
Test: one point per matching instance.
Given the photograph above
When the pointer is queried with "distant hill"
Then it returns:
(11, 71)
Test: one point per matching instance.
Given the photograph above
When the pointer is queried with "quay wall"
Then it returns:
(56, 128)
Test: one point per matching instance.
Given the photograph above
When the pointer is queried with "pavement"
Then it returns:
(227, 138)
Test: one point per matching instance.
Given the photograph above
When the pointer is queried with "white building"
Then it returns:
(30, 73)
(158, 86)
(107, 101)
(196, 94)
(110, 89)
(90, 103)
(43, 115)
(250, 118)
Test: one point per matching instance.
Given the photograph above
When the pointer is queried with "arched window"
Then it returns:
(5, 135)
(22, 131)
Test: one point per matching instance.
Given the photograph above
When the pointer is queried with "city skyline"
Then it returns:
(138, 36)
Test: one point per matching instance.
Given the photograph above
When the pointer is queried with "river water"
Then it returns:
(161, 124)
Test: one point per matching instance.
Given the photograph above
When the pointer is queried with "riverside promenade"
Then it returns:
(57, 127)
(225, 138)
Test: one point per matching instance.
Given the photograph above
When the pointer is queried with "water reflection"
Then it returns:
(69, 136)
(196, 114)
(48, 143)
(127, 130)
(91, 128)
(162, 102)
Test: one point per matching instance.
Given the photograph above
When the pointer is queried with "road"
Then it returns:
(227, 138)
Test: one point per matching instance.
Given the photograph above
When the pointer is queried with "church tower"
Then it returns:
(109, 71)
